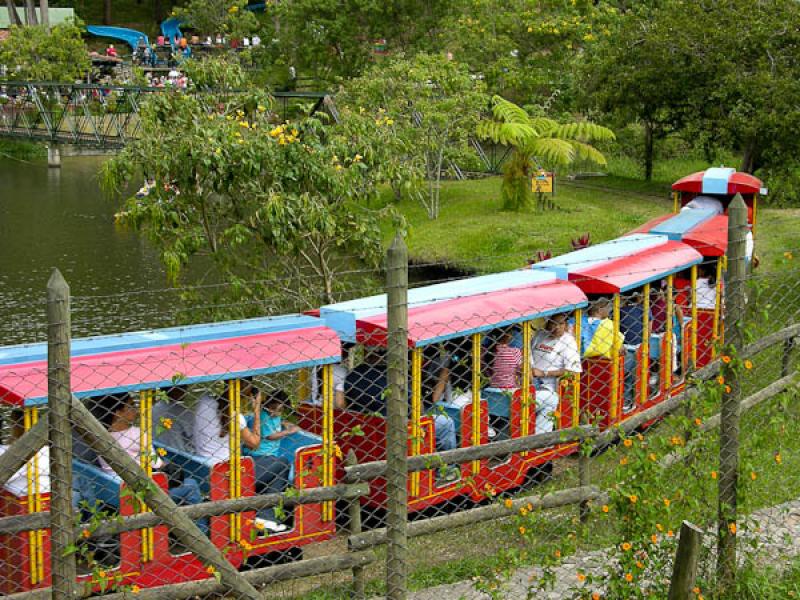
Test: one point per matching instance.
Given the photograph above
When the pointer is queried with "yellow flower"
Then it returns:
(161, 452)
(628, 577)
(654, 538)
(135, 589)
(529, 506)
(652, 456)
(338, 167)
(727, 389)
(523, 511)
(659, 526)
(295, 133)
(508, 503)
(557, 553)
(639, 564)
(670, 533)
(595, 596)
(390, 121)
(748, 364)
(628, 443)
(522, 531)
(698, 421)
(726, 359)
(581, 577)
(233, 9)
(210, 569)
(778, 458)
(623, 461)
(675, 440)
(633, 498)
(357, 158)
(732, 528)
(605, 508)
(666, 502)
(788, 255)
(721, 380)
(753, 475)
(626, 546)
(101, 574)
(640, 437)
(261, 108)
(713, 474)
(85, 534)
(259, 525)
(530, 29)
(695, 590)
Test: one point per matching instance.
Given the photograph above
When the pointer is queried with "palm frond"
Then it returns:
(587, 152)
(583, 131)
(508, 112)
(513, 134)
(552, 151)
(544, 125)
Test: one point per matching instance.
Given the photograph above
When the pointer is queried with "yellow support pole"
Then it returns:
(694, 318)
(476, 397)
(615, 346)
(718, 308)
(304, 385)
(145, 463)
(327, 436)
(576, 383)
(676, 202)
(234, 464)
(416, 413)
(668, 331)
(645, 370)
(526, 379)
(34, 503)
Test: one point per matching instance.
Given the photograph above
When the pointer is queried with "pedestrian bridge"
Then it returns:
(102, 116)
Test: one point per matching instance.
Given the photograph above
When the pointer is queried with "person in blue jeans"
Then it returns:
(631, 316)
(271, 470)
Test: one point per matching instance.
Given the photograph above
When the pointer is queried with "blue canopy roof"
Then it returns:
(682, 223)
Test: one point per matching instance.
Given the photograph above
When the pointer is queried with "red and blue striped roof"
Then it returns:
(703, 230)
(457, 308)
(623, 264)
(181, 355)
(719, 180)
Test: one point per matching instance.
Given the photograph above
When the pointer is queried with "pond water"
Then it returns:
(60, 218)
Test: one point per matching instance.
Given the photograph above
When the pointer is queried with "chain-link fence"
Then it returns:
(541, 432)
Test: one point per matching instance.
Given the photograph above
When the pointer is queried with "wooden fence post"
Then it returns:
(59, 400)
(729, 413)
(397, 419)
(354, 514)
(684, 571)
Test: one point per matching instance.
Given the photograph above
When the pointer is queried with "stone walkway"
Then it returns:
(777, 532)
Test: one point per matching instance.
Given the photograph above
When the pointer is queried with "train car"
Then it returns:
(459, 315)
(706, 230)
(145, 364)
(622, 269)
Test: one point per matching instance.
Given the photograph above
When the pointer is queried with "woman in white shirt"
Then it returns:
(17, 484)
(554, 353)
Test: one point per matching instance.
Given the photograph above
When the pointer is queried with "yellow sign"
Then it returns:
(542, 182)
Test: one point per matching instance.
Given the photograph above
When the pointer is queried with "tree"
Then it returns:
(539, 138)
(228, 17)
(434, 105)
(38, 54)
(276, 211)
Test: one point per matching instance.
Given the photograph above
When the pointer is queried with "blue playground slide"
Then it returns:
(129, 36)
(170, 28)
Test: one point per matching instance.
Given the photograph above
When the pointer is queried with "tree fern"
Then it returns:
(553, 143)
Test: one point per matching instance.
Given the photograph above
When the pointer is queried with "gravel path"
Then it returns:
(777, 530)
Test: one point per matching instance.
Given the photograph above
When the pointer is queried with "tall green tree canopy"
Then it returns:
(277, 210)
(37, 54)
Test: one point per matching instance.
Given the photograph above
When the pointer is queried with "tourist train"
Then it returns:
(476, 376)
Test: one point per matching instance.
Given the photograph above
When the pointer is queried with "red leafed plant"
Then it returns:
(583, 241)
(540, 256)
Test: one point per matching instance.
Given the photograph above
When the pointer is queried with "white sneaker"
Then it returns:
(492, 433)
(653, 381)
(267, 525)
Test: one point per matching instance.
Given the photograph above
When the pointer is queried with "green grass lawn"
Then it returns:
(474, 234)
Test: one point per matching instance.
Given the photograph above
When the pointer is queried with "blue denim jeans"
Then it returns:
(272, 477)
(186, 494)
(445, 430)
(631, 365)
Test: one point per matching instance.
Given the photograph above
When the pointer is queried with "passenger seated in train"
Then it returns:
(597, 331)
(17, 484)
(554, 353)
(706, 288)
(436, 388)
(365, 386)
(506, 363)
(340, 371)
(658, 321)
(212, 440)
(173, 420)
(631, 321)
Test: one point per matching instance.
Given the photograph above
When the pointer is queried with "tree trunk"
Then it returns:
(749, 157)
(44, 9)
(648, 151)
(13, 16)
(30, 13)
(158, 11)
(106, 12)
